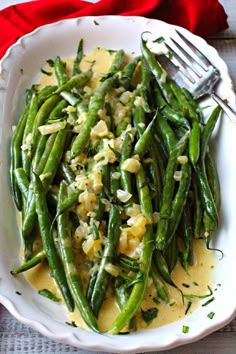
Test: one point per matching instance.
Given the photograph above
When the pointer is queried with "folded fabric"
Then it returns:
(203, 17)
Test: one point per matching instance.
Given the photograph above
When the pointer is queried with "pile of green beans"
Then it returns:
(176, 180)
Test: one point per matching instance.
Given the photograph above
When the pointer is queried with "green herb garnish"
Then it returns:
(72, 323)
(188, 307)
(208, 302)
(149, 315)
(185, 329)
(49, 73)
(211, 315)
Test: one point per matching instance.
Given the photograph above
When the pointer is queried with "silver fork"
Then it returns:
(194, 72)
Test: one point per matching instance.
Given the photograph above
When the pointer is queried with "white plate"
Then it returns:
(19, 69)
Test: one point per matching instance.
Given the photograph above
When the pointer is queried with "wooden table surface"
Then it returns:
(19, 339)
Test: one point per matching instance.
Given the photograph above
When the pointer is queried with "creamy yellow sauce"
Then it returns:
(201, 272)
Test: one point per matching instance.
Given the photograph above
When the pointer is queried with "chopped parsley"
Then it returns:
(72, 323)
(49, 73)
(208, 302)
(185, 329)
(188, 307)
(211, 314)
(149, 315)
(186, 285)
(18, 293)
(50, 62)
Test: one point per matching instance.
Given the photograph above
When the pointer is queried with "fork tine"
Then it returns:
(187, 70)
(189, 57)
(198, 53)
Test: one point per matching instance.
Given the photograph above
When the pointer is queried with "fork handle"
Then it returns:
(226, 108)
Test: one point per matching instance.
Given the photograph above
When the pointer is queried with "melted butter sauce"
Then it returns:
(200, 273)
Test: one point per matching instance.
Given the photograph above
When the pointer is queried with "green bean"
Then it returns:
(42, 152)
(155, 165)
(188, 108)
(127, 72)
(172, 254)
(106, 186)
(15, 153)
(110, 249)
(198, 210)
(206, 193)
(76, 81)
(68, 202)
(166, 132)
(208, 129)
(68, 260)
(22, 181)
(125, 176)
(41, 117)
(48, 172)
(122, 296)
(179, 201)
(169, 113)
(187, 235)
(156, 179)
(26, 152)
(144, 140)
(54, 157)
(96, 102)
(90, 287)
(139, 120)
(162, 268)
(194, 143)
(139, 288)
(190, 111)
(214, 185)
(45, 92)
(54, 261)
(79, 55)
(57, 112)
(67, 173)
(145, 87)
(115, 65)
(160, 286)
(159, 74)
(60, 71)
(23, 184)
(212, 176)
(35, 260)
(167, 194)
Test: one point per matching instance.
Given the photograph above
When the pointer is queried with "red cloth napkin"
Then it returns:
(203, 17)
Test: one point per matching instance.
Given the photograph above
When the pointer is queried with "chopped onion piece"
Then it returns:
(123, 196)
(182, 159)
(52, 128)
(178, 175)
(131, 165)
